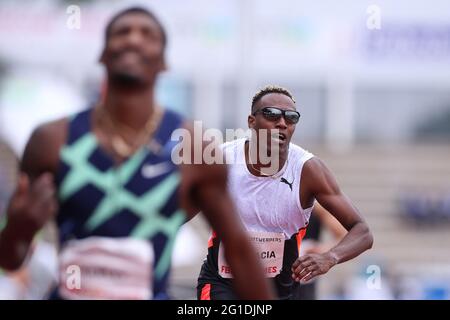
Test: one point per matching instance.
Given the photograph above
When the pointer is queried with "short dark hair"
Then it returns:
(270, 89)
(142, 10)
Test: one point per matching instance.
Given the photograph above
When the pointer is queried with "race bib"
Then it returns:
(106, 268)
(269, 247)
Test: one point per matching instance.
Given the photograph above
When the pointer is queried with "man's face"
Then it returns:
(134, 49)
(283, 136)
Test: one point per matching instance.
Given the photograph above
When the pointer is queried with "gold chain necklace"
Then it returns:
(119, 144)
(273, 176)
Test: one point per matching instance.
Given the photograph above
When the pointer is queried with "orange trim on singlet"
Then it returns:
(210, 241)
(206, 292)
(301, 233)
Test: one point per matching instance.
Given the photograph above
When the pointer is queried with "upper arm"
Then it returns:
(42, 150)
(204, 188)
(322, 185)
(210, 195)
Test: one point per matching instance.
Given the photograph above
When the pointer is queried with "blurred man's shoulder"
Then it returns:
(51, 130)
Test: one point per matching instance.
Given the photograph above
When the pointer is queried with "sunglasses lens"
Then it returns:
(292, 117)
(272, 113)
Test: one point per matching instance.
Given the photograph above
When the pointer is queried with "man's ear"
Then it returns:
(102, 56)
(251, 121)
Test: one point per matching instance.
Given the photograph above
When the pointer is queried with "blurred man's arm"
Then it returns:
(211, 196)
(33, 202)
(204, 188)
(322, 185)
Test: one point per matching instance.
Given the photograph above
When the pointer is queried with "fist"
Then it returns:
(311, 265)
(32, 205)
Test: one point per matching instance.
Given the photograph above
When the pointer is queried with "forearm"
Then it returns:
(356, 241)
(13, 248)
(250, 282)
(247, 271)
(210, 194)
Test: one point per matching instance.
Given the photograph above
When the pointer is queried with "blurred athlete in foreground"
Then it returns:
(107, 177)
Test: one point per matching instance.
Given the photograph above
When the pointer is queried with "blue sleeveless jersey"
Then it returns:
(99, 198)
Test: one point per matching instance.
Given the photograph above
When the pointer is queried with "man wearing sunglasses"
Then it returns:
(275, 199)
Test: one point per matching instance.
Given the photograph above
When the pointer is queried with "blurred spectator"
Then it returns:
(425, 209)
(444, 208)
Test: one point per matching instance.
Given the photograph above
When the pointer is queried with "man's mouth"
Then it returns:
(281, 137)
(130, 56)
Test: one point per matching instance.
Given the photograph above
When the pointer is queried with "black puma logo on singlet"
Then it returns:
(287, 182)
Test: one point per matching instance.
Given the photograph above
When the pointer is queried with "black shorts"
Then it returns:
(211, 286)
(215, 291)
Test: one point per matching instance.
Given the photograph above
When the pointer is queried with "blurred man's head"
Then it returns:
(135, 42)
(273, 107)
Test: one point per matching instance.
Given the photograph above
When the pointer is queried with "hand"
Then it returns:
(311, 265)
(32, 206)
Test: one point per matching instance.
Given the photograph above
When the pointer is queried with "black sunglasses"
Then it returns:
(274, 114)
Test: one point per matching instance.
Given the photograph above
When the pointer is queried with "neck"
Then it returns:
(131, 108)
(256, 168)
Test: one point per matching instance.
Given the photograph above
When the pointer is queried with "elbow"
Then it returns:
(368, 237)
(369, 241)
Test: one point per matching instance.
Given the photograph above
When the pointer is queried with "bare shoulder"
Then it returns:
(51, 131)
(42, 150)
(314, 168)
(317, 176)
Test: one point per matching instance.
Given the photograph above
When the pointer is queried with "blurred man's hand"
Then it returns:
(32, 205)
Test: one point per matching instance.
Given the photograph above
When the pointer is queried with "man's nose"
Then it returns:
(281, 123)
(134, 38)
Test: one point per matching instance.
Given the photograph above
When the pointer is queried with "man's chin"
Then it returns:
(127, 79)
